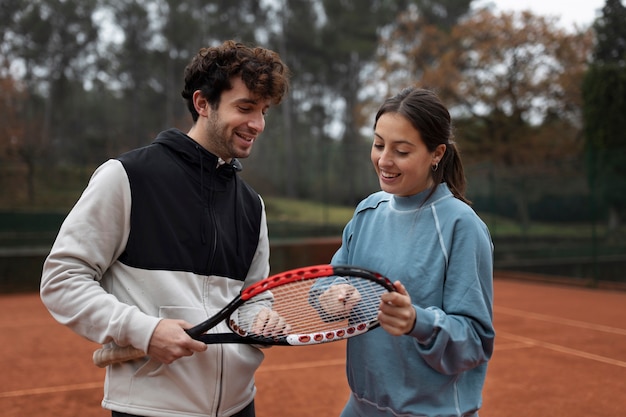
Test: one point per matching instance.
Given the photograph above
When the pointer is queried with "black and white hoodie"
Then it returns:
(164, 231)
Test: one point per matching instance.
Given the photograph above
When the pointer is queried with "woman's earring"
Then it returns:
(435, 167)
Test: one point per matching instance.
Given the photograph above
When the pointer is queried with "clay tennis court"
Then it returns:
(560, 351)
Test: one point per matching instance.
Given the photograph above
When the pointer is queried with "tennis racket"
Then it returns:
(303, 306)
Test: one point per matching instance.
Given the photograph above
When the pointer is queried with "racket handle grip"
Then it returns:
(107, 356)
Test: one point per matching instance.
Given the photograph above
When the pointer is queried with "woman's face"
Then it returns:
(400, 157)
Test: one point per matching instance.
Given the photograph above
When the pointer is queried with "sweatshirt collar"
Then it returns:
(416, 201)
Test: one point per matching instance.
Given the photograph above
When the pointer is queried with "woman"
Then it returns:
(429, 358)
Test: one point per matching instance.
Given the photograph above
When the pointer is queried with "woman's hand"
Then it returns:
(396, 314)
(339, 300)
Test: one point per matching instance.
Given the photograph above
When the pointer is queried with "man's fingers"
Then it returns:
(197, 346)
(259, 321)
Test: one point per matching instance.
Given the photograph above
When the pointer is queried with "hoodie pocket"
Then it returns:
(189, 384)
(189, 314)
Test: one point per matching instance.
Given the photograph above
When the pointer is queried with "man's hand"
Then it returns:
(170, 341)
(339, 300)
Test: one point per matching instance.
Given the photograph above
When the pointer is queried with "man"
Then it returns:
(164, 236)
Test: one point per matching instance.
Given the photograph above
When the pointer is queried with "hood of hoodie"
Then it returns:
(214, 173)
(188, 211)
(196, 158)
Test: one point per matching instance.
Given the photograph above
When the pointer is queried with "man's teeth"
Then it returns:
(244, 137)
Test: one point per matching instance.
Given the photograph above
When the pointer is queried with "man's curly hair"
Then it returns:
(211, 70)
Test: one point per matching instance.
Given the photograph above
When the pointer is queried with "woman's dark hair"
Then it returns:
(428, 115)
(211, 70)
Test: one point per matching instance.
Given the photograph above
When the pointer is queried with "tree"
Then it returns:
(326, 44)
(604, 92)
(331, 47)
(51, 39)
(512, 79)
(444, 14)
(138, 71)
(91, 96)
(12, 101)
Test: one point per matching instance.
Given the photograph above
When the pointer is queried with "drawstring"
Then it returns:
(235, 165)
(205, 204)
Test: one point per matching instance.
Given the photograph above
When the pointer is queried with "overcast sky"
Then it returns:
(569, 12)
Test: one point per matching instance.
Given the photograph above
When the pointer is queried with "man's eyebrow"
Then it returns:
(247, 100)
(251, 101)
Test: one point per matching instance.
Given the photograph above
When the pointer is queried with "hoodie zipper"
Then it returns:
(208, 208)
(220, 384)
(211, 213)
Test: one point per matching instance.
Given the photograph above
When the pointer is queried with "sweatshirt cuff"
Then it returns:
(141, 330)
(426, 325)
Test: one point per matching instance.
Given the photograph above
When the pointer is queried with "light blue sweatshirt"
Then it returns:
(443, 254)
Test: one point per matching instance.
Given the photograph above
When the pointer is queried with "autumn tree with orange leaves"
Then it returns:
(512, 81)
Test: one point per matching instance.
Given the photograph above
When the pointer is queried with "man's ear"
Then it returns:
(200, 103)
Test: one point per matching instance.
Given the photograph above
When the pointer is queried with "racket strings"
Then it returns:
(324, 305)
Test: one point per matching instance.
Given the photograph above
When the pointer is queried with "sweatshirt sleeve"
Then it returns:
(90, 240)
(342, 255)
(459, 334)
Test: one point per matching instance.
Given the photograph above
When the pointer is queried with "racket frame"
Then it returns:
(103, 357)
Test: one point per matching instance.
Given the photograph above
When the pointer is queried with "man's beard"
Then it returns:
(217, 133)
